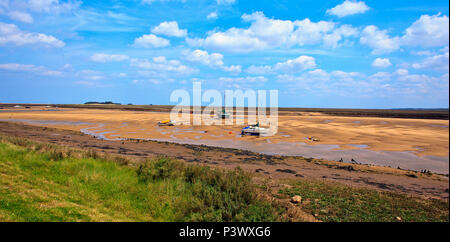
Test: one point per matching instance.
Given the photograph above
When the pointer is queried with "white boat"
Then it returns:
(254, 130)
(223, 114)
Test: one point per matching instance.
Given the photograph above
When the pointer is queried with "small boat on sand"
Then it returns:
(254, 130)
(223, 114)
(166, 123)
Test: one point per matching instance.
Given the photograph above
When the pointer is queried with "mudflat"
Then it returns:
(408, 143)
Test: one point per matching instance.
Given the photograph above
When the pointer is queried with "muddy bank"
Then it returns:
(273, 167)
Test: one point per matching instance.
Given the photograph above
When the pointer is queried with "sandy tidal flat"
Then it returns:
(380, 141)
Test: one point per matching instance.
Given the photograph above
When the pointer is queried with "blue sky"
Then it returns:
(339, 54)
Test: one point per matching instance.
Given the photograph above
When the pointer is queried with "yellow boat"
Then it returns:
(166, 123)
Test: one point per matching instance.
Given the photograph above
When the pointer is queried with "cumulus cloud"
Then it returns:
(379, 40)
(381, 62)
(11, 34)
(298, 64)
(161, 64)
(348, 7)
(102, 57)
(428, 31)
(437, 62)
(265, 33)
(40, 70)
(212, 15)
(338, 34)
(213, 59)
(170, 29)
(151, 41)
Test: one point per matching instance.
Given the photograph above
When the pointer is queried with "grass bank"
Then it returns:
(41, 184)
(45, 182)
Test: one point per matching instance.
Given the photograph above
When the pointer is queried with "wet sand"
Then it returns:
(414, 144)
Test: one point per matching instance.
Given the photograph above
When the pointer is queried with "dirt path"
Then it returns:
(276, 168)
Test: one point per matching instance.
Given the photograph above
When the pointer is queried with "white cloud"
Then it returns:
(89, 74)
(298, 64)
(336, 36)
(225, 2)
(428, 31)
(161, 64)
(401, 72)
(346, 76)
(422, 52)
(349, 7)
(381, 62)
(259, 70)
(53, 6)
(213, 59)
(235, 69)
(212, 15)
(169, 29)
(308, 32)
(380, 77)
(151, 40)
(20, 16)
(101, 57)
(379, 40)
(265, 33)
(40, 70)
(437, 62)
(10, 33)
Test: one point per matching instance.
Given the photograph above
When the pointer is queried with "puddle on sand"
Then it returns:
(439, 126)
(359, 146)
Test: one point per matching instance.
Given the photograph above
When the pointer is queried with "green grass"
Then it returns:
(45, 182)
(41, 185)
(333, 202)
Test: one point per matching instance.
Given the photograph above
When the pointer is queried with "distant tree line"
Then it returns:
(107, 102)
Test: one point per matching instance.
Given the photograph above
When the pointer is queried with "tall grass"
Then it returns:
(40, 183)
(213, 195)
